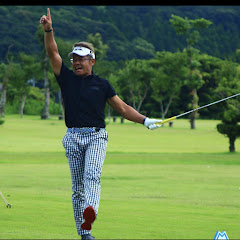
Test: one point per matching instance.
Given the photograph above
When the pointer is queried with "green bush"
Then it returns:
(54, 108)
(12, 108)
(33, 107)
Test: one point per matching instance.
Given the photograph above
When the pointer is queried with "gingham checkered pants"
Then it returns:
(86, 153)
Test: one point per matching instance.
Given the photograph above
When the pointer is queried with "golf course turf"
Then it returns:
(170, 183)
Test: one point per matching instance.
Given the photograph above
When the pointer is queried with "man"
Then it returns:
(84, 96)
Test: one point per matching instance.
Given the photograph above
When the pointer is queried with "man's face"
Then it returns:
(82, 66)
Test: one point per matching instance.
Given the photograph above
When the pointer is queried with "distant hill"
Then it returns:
(128, 30)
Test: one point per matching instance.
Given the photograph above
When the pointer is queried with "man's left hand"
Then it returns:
(150, 123)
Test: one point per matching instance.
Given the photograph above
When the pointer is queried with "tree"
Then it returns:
(230, 129)
(100, 52)
(142, 49)
(209, 67)
(5, 70)
(229, 84)
(134, 78)
(18, 85)
(169, 75)
(64, 47)
(26, 69)
(4, 74)
(191, 28)
(45, 68)
(99, 47)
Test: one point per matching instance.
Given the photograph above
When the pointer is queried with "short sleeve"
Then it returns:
(63, 75)
(110, 91)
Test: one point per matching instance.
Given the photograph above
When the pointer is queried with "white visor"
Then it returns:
(82, 51)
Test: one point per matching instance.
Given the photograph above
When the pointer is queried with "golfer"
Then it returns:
(84, 96)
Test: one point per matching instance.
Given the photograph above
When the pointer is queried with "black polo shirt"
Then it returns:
(84, 98)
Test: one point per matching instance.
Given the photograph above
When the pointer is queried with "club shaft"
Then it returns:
(4, 199)
(210, 104)
(180, 115)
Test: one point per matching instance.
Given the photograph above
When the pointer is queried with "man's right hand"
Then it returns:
(46, 21)
(50, 43)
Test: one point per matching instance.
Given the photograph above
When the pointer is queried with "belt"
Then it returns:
(83, 130)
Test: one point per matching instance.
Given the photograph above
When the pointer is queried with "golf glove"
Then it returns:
(150, 123)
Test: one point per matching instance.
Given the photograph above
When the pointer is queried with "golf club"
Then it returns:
(180, 115)
(6, 202)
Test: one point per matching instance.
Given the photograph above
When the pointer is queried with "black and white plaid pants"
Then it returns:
(86, 152)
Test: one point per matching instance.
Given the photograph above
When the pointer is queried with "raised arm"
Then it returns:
(50, 43)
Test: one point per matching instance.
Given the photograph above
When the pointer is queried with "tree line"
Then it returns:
(129, 31)
(167, 84)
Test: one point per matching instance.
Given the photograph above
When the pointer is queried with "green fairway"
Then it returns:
(171, 183)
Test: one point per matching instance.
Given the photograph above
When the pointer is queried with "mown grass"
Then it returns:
(172, 183)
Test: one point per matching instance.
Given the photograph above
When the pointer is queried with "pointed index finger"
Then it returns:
(48, 13)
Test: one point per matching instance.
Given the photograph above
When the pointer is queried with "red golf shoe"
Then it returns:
(89, 215)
